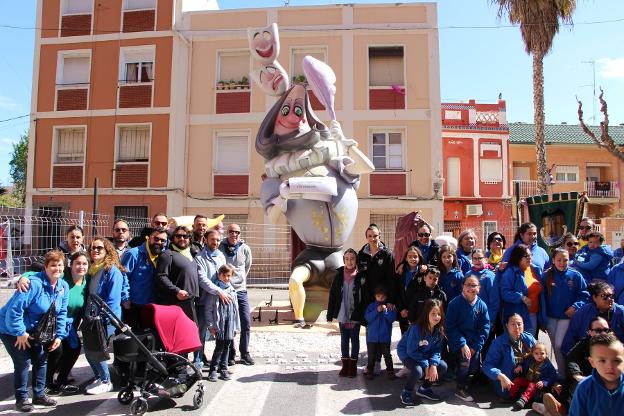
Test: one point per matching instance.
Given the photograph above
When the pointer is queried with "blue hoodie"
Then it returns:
(562, 290)
(591, 397)
(24, 310)
(467, 324)
(463, 260)
(424, 350)
(579, 324)
(451, 283)
(594, 263)
(548, 373)
(379, 329)
(140, 272)
(500, 357)
(539, 256)
(616, 278)
(489, 291)
(512, 288)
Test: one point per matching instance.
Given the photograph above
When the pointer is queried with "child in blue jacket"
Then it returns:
(379, 332)
(420, 350)
(451, 277)
(594, 259)
(489, 291)
(534, 375)
(602, 393)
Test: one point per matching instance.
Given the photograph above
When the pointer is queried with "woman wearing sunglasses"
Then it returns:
(496, 244)
(602, 305)
(571, 244)
(428, 247)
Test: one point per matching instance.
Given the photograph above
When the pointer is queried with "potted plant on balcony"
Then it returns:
(221, 85)
(244, 83)
(232, 84)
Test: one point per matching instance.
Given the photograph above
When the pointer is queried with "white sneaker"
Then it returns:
(101, 388)
(539, 408)
(403, 372)
(93, 384)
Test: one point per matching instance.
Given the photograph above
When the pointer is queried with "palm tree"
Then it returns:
(539, 23)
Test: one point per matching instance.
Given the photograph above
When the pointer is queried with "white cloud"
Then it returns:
(611, 67)
(9, 104)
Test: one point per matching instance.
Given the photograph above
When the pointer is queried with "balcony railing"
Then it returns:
(527, 187)
(602, 189)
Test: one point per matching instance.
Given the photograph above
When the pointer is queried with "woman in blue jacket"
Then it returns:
(420, 350)
(527, 234)
(602, 305)
(506, 352)
(594, 259)
(521, 290)
(616, 279)
(565, 292)
(468, 326)
(105, 280)
(21, 316)
(466, 242)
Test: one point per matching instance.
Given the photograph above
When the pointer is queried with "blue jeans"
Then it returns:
(203, 329)
(417, 372)
(245, 323)
(38, 355)
(100, 368)
(353, 335)
(466, 367)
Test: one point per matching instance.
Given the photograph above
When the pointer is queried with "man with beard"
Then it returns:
(140, 264)
(238, 254)
(208, 262)
(121, 234)
(200, 226)
(176, 274)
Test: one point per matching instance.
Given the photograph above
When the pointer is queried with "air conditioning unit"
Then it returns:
(474, 209)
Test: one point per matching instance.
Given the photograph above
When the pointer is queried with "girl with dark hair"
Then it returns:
(496, 244)
(451, 277)
(521, 289)
(527, 235)
(420, 351)
(408, 283)
(602, 305)
(73, 243)
(345, 305)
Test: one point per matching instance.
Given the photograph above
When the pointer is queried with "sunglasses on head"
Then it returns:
(572, 243)
(602, 330)
(424, 234)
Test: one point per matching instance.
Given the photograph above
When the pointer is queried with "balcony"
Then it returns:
(604, 192)
(527, 187)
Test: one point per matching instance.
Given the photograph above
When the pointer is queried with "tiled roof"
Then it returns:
(522, 133)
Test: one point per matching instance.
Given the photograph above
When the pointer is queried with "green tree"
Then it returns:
(539, 22)
(17, 168)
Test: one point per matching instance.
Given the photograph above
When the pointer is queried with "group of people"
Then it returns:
(197, 269)
(475, 314)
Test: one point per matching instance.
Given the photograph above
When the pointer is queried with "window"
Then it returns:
(70, 145)
(593, 174)
(233, 67)
(139, 4)
(135, 216)
(453, 176)
(137, 65)
(385, 66)
(488, 228)
(388, 150)
(77, 7)
(491, 170)
(73, 69)
(521, 173)
(134, 143)
(231, 154)
(387, 225)
(567, 173)
(297, 59)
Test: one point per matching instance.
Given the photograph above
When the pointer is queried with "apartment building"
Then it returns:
(156, 103)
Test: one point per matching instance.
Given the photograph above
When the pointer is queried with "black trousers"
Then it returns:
(375, 351)
(61, 361)
(220, 355)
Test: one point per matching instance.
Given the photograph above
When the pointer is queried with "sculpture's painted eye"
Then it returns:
(285, 110)
(298, 111)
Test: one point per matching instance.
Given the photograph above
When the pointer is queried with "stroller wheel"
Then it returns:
(125, 395)
(138, 406)
(198, 398)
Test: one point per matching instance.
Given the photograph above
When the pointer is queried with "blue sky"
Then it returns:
(477, 60)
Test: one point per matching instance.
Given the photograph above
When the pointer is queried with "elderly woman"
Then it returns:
(527, 235)
(466, 242)
(602, 305)
(521, 289)
(19, 321)
(105, 281)
(506, 353)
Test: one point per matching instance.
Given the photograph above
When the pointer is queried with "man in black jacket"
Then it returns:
(176, 274)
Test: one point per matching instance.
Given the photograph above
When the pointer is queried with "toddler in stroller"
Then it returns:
(156, 365)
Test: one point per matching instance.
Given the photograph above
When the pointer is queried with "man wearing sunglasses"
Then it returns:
(158, 220)
(238, 254)
(176, 274)
(586, 227)
(121, 235)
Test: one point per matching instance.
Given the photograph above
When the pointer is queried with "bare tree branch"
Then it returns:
(605, 141)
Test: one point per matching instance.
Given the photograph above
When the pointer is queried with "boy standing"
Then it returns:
(379, 332)
(602, 393)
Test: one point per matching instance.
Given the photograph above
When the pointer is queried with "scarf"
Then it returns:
(230, 250)
(186, 252)
(349, 274)
(153, 257)
(95, 268)
(495, 258)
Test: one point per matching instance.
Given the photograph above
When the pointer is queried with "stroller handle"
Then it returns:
(117, 323)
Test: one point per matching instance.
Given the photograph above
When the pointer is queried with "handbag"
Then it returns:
(94, 335)
(45, 332)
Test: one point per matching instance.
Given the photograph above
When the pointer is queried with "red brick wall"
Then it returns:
(385, 99)
(131, 176)
(233, 102)
(72, 99)
(133, 96)
(387, 184)
(139, 21)
(76, 25)
(225, 185)
(67, 176)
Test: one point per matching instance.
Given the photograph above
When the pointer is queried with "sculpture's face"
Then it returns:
(271, 78)
(291, 116)
(264, 43)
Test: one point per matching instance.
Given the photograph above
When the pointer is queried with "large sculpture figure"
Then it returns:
(311, 171)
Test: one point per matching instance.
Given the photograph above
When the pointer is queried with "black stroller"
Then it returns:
(156, 369)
